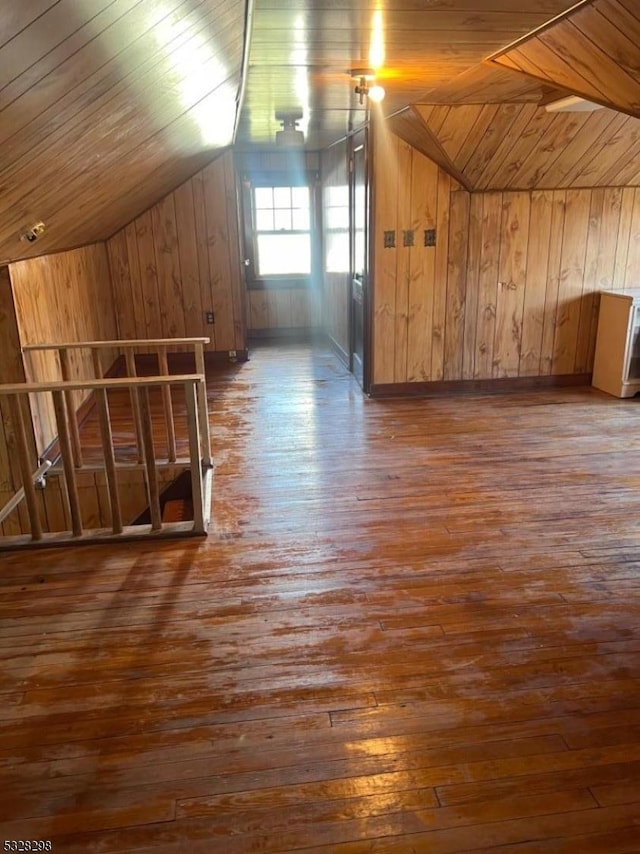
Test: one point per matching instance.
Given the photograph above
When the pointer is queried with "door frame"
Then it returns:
(361, 140)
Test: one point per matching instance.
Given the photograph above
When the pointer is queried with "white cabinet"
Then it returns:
(616, 368)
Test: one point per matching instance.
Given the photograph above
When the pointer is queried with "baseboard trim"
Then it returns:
(493, 386)
(338, 350)
(299, 333)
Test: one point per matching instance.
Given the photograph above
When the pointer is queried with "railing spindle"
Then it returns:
(197, 487)
(68, 396)
(29, 373)
(138, 387)
(150, 461)
(163, 366)
(135, 403)
(62, 422)
(97, 363)
(109, 459)
(201, 392)
(25, 466)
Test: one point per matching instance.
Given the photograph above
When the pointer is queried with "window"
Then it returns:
(282, 227)
(336, 211)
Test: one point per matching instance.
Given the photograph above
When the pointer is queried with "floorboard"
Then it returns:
(413, 627)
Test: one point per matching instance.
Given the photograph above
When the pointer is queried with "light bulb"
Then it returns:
(376, 93)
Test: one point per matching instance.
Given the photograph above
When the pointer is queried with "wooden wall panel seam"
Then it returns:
(572, 281)
(535, 285)
(622, 240)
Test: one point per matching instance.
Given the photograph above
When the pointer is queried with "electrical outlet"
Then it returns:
(209, 317)
(429, 237)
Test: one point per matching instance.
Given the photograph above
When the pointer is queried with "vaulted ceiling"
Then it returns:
(593, 52)
(522, 146)
(107, 105)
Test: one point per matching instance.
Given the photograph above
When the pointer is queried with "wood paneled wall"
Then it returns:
(180, 260)
(511, 287)
(272, 310)
(62, 297)
(410, 193)
(11, 370)
(336, 284)
(53, 298)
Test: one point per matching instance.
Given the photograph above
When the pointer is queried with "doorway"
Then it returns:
(359, 274)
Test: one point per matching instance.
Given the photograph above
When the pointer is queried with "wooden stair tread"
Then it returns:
(176, 510)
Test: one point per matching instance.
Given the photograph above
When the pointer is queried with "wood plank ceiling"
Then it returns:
(303, 50)
(106, 105)
(524, 147)
(593, 52)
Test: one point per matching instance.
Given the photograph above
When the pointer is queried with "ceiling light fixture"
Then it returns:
(366, 87)
(289, 136)
(376, 93)
(572, 104)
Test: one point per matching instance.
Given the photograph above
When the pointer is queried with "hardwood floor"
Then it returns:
(413, 628)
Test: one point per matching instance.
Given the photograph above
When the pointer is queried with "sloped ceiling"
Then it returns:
(524, 147)
(593, 52)
(490, 84)
(106, 105)
(489, 127)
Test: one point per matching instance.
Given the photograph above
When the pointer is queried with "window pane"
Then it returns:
(337, 218)
(263, 197)
(359, 253)
(282, 220)
(282, 197)
(300, 197)
(264, 220)
(337, 255)
(300, 219)
(360, 207)
(284, 254)
(337, 196)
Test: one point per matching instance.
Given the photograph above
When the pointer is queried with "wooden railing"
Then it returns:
(19, 497)
(161, 346)
(198, 460)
